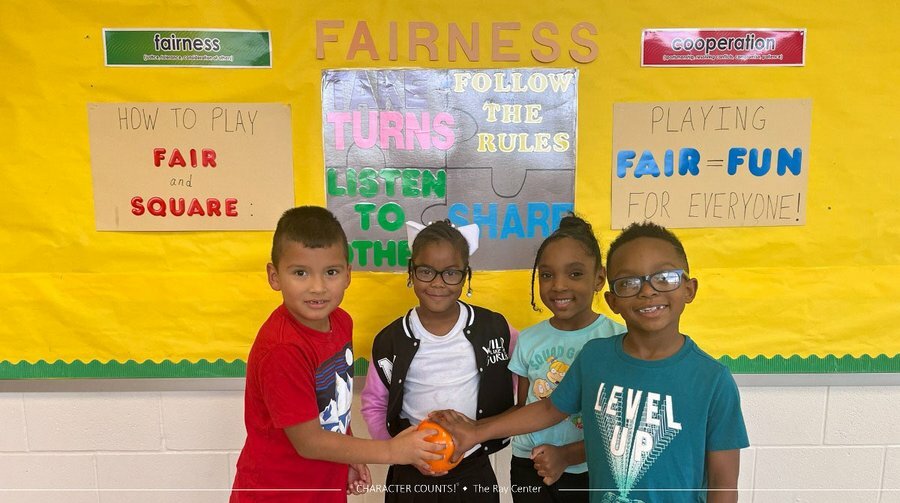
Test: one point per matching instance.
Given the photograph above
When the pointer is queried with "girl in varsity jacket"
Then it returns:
(443, 354)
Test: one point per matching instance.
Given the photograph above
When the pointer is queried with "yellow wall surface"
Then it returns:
(70, 292)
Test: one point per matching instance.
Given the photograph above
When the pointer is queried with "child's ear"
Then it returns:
(690, 290)
(600, 279)
(272, 276)
(611, 301)
(349, 270)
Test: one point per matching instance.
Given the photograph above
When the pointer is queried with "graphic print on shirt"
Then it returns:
(636, 427)
(495, 351)
(543, 388)
(334, 390)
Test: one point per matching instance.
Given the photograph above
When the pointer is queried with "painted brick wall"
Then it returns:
(817, 444)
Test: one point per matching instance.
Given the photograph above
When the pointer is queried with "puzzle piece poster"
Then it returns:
(491, 147)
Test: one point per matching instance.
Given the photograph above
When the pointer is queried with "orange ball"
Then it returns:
(441, 437)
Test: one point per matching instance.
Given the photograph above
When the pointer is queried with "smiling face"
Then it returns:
(312, 281)
(436, 298)
(568, 279)
(649, 313)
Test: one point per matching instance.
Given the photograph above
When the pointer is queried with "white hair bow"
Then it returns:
(471, 232)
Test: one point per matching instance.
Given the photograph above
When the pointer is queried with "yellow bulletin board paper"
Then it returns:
(190, 166)
(75, 302)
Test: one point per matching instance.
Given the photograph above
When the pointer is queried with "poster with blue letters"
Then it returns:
(725, 163)
(490, 147)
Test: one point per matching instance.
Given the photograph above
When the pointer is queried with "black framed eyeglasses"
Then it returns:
(662, 281)
(449, 276)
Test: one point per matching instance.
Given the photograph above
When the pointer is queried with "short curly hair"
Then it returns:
(311, 226)
(647, 230)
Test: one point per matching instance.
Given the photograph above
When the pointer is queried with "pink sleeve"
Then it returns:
(513, 338)
(374, 400)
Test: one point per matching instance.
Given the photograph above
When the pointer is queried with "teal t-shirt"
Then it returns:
(543, 354)
(649, 424)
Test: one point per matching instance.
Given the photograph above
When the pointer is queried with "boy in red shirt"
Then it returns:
(300, 379)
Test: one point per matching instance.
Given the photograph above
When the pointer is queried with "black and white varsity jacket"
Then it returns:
(395, 347)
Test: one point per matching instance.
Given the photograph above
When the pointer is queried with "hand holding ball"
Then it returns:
(441, 437)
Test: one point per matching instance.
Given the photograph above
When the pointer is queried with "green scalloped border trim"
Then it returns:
(132, 369)
(829, 364)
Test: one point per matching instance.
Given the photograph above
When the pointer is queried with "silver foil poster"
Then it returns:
(490, 147)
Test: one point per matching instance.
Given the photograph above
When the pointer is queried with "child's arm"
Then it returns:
(359, 478)
(722, 468)
(522, 391)
(517, 379)
(726, 436)
(533, 417)
(374, 400)
(407, 448)
(551, 461)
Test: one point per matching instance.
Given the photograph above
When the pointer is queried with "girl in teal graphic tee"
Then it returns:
(569, 271)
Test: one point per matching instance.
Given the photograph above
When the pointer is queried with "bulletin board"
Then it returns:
(816, 296)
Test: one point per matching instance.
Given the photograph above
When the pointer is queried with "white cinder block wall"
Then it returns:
(816, 444)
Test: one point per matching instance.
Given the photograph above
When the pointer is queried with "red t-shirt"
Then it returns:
(294, 374)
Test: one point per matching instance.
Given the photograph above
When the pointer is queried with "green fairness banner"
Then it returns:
(192, 48)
